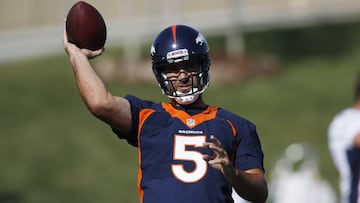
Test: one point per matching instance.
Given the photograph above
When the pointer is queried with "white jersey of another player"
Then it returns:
(341, 134)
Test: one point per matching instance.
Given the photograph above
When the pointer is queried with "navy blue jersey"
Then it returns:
(169, 139)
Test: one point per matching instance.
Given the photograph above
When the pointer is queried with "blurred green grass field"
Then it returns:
(53, 150)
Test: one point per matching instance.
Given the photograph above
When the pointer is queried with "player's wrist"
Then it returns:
(230, 172)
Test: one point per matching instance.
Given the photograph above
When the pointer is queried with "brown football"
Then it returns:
(85, 26)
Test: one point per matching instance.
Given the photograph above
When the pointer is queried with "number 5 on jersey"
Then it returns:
(181, 153)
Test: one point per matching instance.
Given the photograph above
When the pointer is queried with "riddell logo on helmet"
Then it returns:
(181, 53)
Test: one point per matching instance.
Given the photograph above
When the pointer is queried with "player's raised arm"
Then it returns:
(101, 103)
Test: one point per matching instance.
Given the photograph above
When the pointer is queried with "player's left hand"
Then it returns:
(220, 159)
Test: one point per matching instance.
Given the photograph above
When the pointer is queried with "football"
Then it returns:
(85, 26)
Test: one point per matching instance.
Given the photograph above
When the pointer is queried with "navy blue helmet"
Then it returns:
(175, 44)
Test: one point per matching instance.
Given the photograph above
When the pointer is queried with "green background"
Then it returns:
(53, 150)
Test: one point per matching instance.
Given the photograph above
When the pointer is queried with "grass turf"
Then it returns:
(53, 150)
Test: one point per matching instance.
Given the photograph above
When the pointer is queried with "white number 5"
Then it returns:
(181, 153)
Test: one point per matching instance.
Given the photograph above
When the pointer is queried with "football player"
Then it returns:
(344, 145)
(189, 151)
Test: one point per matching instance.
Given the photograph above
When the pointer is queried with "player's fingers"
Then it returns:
(218, 146)
(211, 146)
(217, 161)
(206, 144)
(215, 141)
(67, 44)
(99, 52)
(207, 157)
(92, 54)
(65, 40)
(214, 147)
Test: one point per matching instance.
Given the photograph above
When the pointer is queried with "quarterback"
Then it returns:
(189, 151)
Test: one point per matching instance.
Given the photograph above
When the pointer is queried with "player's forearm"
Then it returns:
(250, 186)
(91, 87)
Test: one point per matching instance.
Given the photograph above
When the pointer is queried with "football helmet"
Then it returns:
(176, 44)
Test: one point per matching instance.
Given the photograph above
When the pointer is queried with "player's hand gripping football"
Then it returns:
(220, 159)
(72, 49)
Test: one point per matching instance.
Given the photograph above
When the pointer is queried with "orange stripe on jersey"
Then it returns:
(232, 127)
(143, 115)
(233, 155)
(191, 121)
(140, 190)
(173, 29)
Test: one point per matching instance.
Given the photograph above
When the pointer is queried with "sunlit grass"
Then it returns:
(53, 150)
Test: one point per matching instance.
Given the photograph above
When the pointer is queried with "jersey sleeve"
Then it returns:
(249, 152)
(136, 106)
